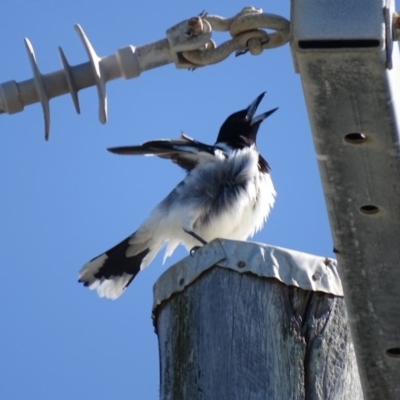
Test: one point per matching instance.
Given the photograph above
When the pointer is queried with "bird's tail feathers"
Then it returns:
(112, 272)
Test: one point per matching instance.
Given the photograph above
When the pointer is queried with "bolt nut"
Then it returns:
(195, 26)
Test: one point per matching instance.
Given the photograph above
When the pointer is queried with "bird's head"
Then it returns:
(241, 127)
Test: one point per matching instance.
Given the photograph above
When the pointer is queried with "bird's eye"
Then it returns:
(189, 33)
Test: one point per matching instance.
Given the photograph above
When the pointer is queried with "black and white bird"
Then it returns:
(227, 193)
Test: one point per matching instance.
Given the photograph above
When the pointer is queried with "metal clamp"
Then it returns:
(187, 44)
(247, 35)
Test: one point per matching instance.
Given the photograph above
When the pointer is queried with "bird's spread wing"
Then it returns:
(185, 151)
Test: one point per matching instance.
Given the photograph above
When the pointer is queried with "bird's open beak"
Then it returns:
(260, 118)
(251, 110)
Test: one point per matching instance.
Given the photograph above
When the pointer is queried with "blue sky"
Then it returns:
(67, 200)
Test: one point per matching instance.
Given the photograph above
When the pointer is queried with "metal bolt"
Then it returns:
(195, 25)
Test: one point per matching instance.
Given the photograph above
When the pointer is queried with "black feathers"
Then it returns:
(183, 151)
(240, 128)
(116, 264)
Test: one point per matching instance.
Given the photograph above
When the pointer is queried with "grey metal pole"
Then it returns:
(350, 72)
(226, 331)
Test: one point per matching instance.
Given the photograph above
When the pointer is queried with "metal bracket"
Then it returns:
(343, 52)
(247, 35)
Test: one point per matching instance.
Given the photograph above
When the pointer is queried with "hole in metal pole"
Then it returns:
(338, 44)
(369, 209)
(355, 138)
(393, 352)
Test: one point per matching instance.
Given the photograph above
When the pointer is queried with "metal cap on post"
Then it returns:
(244, 320)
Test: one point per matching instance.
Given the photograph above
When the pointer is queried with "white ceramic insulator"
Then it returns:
(98, 73)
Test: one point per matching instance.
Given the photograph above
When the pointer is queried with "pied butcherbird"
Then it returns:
(226, 193)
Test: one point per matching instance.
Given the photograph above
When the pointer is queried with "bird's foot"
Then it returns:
(193, 250)
(196, 236)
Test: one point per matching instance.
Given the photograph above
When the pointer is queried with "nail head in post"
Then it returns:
(355, 138)
(316, 277)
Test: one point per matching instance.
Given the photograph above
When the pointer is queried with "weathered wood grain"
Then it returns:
(232, 336)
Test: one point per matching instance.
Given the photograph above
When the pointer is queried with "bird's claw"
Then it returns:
(195, 235)
(193, 250)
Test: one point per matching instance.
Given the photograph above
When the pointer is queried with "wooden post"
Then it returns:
(233, 336)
